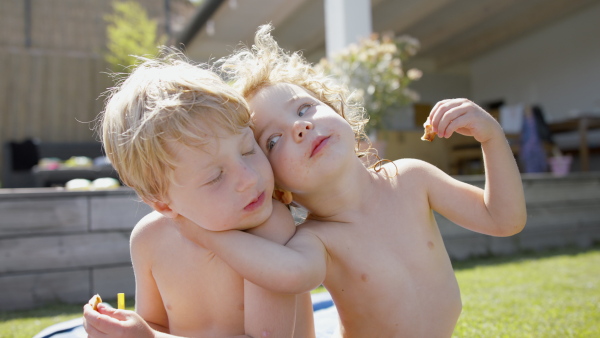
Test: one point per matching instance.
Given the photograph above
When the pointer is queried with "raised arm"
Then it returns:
(499, 209)
(297, 267)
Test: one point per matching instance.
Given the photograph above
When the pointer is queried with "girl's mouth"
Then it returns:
(256, 203)
(318, 144)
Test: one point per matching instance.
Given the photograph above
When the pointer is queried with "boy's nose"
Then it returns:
(300, 128)
(247, 177)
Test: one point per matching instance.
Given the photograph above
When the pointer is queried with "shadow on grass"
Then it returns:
(522, 256)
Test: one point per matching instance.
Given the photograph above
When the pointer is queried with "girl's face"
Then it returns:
(306, 141)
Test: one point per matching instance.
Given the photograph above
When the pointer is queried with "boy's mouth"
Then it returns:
(318, 144)
(256, 203)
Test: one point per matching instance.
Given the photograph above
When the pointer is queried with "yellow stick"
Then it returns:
(121, 301)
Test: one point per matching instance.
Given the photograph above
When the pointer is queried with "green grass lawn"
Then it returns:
(552, 294)
(555, 294)
(28, 323)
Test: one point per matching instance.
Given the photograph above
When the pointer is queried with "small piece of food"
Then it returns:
(429, 133)
(95, 301)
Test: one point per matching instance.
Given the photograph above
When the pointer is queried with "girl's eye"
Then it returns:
(271, 141)
(304, 108)
(217, 179)
(251, 152)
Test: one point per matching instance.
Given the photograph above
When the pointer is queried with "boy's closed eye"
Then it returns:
(216, 179)
(221, 174)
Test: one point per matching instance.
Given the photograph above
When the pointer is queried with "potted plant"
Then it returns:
(373, 69)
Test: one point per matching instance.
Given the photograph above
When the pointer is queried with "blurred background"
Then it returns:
(534, 65)
(508, 56)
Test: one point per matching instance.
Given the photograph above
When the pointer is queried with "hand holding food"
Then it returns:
(94, 301)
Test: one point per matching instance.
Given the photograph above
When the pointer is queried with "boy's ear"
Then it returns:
(163, 208)
(283, 196)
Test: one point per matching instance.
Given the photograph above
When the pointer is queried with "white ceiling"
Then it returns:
(451, 32)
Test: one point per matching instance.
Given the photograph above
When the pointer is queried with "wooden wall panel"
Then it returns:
(50, 89)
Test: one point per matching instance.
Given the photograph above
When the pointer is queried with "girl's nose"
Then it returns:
(247, 177)
(300, 129)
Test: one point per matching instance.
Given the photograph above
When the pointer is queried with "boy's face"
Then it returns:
(226, 184)
(305, 140)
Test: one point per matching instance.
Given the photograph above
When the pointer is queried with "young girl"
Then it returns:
(370, 236)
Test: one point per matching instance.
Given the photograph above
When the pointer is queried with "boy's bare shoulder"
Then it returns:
(151, 227)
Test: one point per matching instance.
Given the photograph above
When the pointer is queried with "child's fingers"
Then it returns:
(451, 126)
(106, 319)
(116, 314)
(92, 332)
(439, 113)
(452, 120)
(91, 319)
(435, 110)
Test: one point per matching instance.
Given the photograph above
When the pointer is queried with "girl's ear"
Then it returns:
(163, 208)
(283, 196)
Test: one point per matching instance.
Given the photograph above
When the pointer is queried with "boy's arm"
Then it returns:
(499, 209)
(297, 267)
(148, 301)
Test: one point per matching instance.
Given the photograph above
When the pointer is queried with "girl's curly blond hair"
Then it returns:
(265, 64)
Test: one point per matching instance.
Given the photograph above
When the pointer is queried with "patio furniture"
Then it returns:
(21, 158)
(580, 125)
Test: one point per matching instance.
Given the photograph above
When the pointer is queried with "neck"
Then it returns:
(342, 197)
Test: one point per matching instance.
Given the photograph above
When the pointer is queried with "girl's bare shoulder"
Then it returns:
(408, 168)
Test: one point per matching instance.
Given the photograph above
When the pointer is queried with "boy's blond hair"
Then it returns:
(162, 100)
(267, 64)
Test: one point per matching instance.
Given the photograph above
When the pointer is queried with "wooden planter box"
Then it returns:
(65, 246)
(57, 245)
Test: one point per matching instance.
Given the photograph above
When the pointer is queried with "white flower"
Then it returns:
(375, 65)
(414, 74)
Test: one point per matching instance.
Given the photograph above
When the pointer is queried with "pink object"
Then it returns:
(560, 165)
(53, 165)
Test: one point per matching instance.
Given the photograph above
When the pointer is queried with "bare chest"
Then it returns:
(200, 293)
(390, 269)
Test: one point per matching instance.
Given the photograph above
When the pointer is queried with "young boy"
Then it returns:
(181, 137)
(370, 236)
